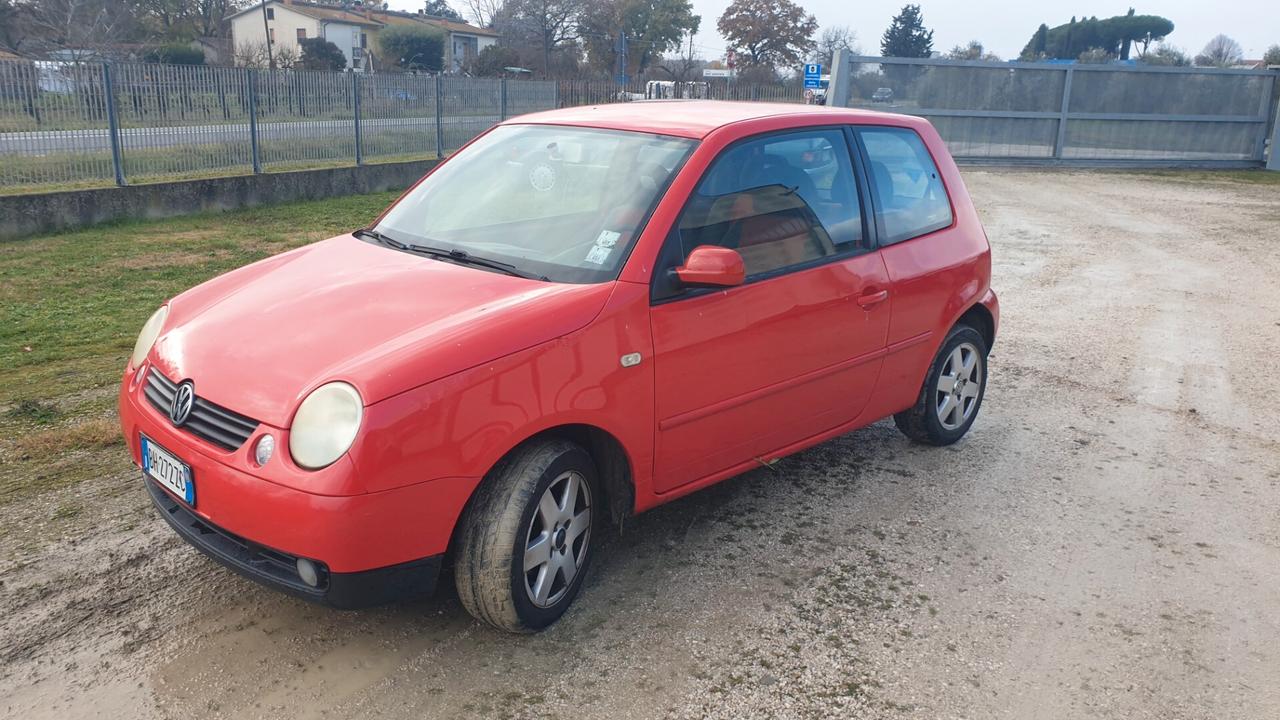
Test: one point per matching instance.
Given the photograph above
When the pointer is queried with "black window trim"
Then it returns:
(881, 233)
(870, 230)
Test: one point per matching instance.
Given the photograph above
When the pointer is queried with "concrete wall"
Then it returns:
(27, 215)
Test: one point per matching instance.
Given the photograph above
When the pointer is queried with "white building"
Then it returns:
(353, 28)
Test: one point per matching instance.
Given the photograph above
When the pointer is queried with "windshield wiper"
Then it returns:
(461, 257)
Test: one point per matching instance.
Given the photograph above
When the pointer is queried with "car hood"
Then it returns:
(258, 339)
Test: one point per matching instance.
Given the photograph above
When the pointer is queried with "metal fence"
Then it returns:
(70, 125)
(95, 124)
(1073, 113)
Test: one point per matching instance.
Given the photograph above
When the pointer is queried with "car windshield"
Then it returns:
(561, 202)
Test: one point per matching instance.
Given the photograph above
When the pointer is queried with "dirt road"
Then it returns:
(1105, 543)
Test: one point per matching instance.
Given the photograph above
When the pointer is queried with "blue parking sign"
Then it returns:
(813, 75)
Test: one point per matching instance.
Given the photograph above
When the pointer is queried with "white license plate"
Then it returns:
(172, 474)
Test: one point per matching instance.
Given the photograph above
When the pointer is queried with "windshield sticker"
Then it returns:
(597, 255)
(607, 238)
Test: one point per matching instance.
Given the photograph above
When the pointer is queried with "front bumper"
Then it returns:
(278, 570)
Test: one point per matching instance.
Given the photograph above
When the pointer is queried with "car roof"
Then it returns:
(693, 118)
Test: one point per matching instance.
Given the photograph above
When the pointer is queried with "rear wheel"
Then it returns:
(952, 392)
(526, 540)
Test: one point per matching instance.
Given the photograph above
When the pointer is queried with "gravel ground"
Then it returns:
(1105, 543)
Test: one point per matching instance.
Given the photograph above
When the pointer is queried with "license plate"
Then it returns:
(172, 474)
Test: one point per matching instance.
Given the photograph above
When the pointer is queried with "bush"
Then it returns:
(320, 54)
(412, 48)
(174, 54)
(493, 60)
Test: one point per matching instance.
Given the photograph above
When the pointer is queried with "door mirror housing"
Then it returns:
(712, 266)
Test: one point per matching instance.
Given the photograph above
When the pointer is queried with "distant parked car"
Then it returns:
(583, 314)
(883, 95)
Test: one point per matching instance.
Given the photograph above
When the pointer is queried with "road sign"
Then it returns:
(813, 75)
(713, 72)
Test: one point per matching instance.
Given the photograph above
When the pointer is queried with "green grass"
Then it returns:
(71, 306)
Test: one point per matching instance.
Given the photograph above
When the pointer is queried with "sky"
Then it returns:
(1005, 26)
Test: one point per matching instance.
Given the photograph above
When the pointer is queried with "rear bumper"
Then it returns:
(278, 570)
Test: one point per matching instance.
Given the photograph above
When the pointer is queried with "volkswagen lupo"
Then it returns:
(580, 315)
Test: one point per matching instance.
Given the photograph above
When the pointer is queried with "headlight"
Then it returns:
(325, 425)
(147, 338)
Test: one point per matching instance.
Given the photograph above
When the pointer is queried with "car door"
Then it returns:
(933, 261)
(797, 348)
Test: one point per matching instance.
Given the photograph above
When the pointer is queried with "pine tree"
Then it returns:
(907, 36)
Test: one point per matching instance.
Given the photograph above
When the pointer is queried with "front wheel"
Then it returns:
(526, 539)
(952, 392)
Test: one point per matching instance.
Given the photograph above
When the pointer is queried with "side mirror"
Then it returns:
(712, 266)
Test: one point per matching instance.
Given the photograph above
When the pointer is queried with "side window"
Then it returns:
(780, 200)
(908, 192)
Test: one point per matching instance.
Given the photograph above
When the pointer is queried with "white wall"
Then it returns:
(247, 30)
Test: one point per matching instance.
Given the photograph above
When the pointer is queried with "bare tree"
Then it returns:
(1221, 51)
(81, 30)
(833, 40)
(483, 12)
(682, 68)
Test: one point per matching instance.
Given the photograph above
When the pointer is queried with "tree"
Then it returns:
(442, 9)
(174, 54)
(551, 24)
(833, 40)
(1039, 44)
(907, 36)
(320, 54)
(683, 67)
(483, 12)
(410, 47)
(651, 27)
(81, 30)
(1221, 52)
(1166, 54)
(1115, 35)
(768, 34)
(1273, 56)
(973, 51)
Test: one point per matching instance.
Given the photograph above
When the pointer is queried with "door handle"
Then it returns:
(871, 299)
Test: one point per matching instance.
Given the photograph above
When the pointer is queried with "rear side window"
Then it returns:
(780, 200)
(909, 194)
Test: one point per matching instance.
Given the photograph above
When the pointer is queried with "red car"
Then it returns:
(581, 315)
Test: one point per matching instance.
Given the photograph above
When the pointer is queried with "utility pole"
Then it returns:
(266, 32)
(621, 65)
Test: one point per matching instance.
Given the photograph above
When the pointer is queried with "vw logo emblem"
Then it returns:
(183, 400)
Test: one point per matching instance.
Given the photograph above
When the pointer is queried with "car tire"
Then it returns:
(935, 420)
(498, 574)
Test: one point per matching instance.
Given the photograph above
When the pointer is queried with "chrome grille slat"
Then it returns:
(210, 422)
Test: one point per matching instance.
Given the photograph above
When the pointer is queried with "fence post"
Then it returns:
(1273, 162)
(355, 107)
(1061, 140)
(439, 121)
(113, 124)
(503, 93)
(252, 80)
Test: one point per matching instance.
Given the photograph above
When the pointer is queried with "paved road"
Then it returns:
(99, 140)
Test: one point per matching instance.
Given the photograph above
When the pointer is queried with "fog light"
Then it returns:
(308, 572)
(263, 449)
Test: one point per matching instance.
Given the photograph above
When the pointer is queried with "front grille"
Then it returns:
(209, 422)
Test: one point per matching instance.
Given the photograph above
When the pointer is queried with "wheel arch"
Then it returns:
(617, 478)
(980, 318)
